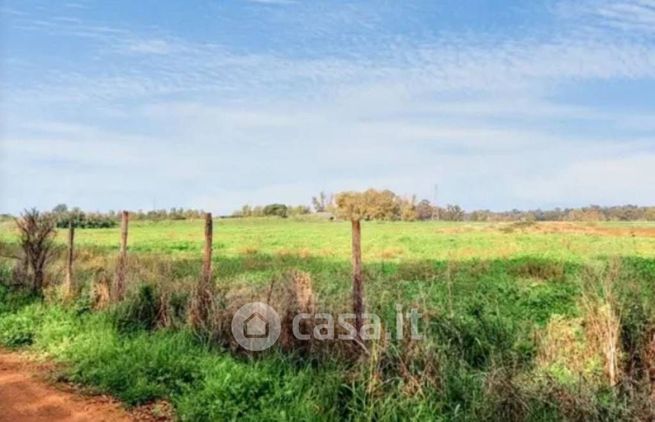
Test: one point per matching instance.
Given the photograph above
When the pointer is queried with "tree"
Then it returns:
(407, 209)
(60, 209)
(649, 215)
(480, 215)
(320, 203)
(453, 213)
(36, 238)
(279, 210)
(381, 205)
(424, 210)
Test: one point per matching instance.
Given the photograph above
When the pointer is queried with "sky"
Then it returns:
(215, 104)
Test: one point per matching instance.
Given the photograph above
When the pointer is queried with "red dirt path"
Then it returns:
(26, 396)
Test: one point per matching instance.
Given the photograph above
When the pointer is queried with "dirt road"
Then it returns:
(26, 396)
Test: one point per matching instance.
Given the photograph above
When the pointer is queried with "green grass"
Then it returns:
(488, 292)
(202, 384)
(395, 241)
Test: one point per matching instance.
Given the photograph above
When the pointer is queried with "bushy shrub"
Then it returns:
(276, 210)
(12, 299)
(138, 311)
(16, 330)
(86, 220)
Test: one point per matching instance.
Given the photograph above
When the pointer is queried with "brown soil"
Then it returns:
(26, 395)
(555, 227)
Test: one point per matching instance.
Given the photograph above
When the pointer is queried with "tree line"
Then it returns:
(272, 210)
(385, 205)
(63, 216)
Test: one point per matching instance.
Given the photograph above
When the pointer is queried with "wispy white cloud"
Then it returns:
(626, 15)
(160, 64)
(150, 47)
(200, 69)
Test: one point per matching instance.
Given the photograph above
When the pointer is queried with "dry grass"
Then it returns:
(550, 227)
(590, 228)
(581, 347)
(603, 331)
(248, 250)
(507, 396)
(602, 321)
(565, 352)
(294, 252)
(101, 292)
(289, 294)
(294, 295)
(391, 253)
(540, 270)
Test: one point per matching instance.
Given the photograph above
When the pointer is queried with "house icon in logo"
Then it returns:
(256, 326)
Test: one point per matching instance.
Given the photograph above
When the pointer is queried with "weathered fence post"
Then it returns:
(207, 259)
(119, 286)
(70, 287)
(358, 279)
(200, 311)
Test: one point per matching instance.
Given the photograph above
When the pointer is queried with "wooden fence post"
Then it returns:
(358, 279)
(207, 259)
(70, 287)
(119, 287)
(200, 311)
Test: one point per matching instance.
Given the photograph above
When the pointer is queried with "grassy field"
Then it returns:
(521, 321)
(382, 240)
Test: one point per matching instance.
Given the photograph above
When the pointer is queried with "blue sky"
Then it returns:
(124, 104)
